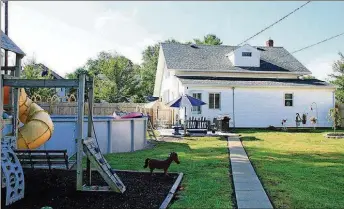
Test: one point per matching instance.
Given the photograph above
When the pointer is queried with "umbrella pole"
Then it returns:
(185, 122)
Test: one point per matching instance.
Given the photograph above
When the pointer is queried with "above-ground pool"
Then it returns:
(114, 135)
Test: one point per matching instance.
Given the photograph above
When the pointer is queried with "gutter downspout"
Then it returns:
(233, 109)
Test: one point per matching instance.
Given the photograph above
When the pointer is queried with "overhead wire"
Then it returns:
(307, 47)
(278, 21)
(327, 39)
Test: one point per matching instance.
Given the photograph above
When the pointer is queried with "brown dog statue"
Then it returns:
(161, 164)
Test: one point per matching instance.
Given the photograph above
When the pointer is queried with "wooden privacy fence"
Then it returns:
(70, 108)
(161, 116)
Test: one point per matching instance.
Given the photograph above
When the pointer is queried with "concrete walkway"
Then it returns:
(249, 191)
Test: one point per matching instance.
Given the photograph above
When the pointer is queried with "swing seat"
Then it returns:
(44, 159)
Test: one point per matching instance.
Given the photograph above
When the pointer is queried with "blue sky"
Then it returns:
(63, 35)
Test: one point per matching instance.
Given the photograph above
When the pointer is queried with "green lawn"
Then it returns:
(298, 170)
(204, 162)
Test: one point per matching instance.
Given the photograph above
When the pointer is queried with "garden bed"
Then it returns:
(334, 135)
(57, 189)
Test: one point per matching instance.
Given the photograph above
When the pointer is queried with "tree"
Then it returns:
(338, 76)
(75, 75)
(209, 39)
(334, 114)
(116, 78)
(33, 70)
(309, 77)
(148, 68)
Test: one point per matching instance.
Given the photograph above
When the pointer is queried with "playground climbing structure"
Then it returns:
(37, 119)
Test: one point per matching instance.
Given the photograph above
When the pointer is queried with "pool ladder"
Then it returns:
(151, 130)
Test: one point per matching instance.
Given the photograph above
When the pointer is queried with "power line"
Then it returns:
(274, 23)
(317, 43)
(304, 48)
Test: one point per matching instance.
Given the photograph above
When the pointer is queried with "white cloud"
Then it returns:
(123, 29)
(63, 47)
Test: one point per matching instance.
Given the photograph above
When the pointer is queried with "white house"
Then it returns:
(257, 86)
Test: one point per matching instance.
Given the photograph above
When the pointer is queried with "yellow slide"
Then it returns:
(38, 126)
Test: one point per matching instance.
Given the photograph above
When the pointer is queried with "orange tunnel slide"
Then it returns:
(38, 126)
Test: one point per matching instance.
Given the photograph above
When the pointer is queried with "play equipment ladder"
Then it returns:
(150, 129)
(98, 161)
(12, 175)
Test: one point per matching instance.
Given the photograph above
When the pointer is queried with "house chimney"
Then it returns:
(270, 43)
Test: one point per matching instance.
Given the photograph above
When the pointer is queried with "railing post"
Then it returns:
(90, 128)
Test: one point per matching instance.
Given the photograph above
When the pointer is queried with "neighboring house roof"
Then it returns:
(45, 71)
(232, 81)
(213, 58)
(8, 44)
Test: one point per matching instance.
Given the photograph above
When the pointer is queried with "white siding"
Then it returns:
(262, 107)
(159, 73)
(169, 86)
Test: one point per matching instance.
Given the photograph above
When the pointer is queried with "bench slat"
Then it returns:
(43, 157)
(33, 157)
(40, 151)
(38, 162)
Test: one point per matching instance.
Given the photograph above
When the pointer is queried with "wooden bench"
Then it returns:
(196, 126)
(57, 159)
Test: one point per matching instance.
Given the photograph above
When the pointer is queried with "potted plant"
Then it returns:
(304, 119)
(313, 121)
(298, 120)
(284, 121)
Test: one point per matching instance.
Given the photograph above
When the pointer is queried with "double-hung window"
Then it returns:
(214, 101)
(197, 109)
(288, 100)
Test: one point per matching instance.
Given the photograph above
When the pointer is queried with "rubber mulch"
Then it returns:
(57, 189)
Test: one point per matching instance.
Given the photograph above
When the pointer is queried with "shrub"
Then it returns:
(335, 117)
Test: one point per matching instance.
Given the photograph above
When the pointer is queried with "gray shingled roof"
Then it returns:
(231, 81)
(213, 58)
(8, 44)
(46, 69)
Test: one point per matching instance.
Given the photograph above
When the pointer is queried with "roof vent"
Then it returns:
(194, 46)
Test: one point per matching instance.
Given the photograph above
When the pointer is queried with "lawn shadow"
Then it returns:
(222, 138)
(250, 138)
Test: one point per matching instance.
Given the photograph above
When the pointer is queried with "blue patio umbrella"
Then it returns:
(186, 101)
